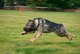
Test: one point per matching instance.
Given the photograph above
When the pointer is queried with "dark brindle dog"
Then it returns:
(45, 26)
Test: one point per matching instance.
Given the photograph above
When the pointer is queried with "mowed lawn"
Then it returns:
(12, 42)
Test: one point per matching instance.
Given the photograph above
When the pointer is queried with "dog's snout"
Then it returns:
(23, 33)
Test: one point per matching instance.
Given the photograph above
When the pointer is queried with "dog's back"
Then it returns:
(48, 26)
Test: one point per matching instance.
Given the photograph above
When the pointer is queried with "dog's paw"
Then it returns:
(29, 43)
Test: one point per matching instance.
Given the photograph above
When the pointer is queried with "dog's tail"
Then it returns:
(70, 36)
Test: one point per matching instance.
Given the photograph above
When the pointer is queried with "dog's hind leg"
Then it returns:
(69, 36)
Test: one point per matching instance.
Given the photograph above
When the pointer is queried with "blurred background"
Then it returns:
(50, 5)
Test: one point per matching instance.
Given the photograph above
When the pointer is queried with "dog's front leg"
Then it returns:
(39, 33)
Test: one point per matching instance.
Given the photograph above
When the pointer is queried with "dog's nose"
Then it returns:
(22, 33)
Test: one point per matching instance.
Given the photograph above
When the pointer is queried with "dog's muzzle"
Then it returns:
(23, 33)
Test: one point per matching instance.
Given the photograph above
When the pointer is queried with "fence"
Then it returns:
(40, 8)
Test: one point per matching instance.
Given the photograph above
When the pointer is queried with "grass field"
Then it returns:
(12, 42)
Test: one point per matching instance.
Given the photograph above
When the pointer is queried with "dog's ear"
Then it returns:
(31, 20)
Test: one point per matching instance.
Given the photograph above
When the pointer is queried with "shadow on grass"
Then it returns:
(34, 49)
(45, 43)
(71, 44)
(37, 50)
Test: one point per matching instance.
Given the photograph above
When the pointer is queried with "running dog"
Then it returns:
(42, 25)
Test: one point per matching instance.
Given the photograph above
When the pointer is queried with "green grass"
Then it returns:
(12, 42)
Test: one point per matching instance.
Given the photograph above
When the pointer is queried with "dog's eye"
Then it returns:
(29, 25)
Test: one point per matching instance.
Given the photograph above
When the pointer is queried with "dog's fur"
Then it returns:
(42, 25)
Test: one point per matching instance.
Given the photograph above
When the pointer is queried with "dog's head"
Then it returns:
(61, 31)
(29, 27)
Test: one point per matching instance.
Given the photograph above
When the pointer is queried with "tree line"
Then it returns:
(64, 4)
